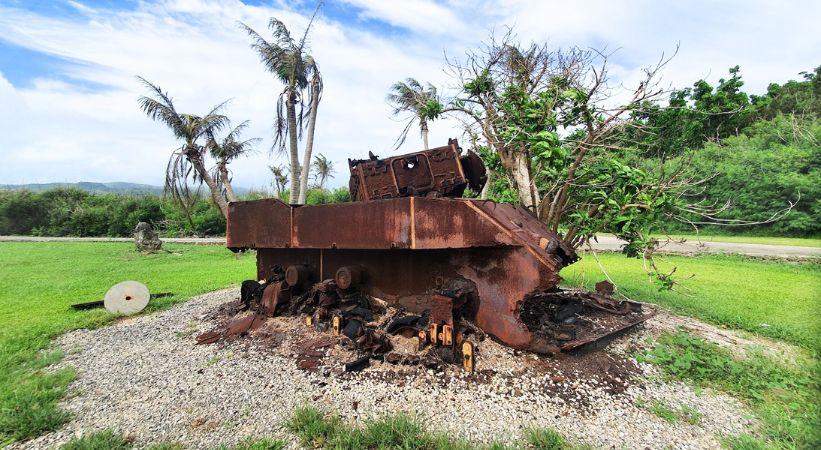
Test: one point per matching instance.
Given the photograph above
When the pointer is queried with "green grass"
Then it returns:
(671, 415)
(256, 444)
(315, 428)
(101, 440)
(664, 412)
(785, 397)
(772, 298)
(39, 281)
(108, 440)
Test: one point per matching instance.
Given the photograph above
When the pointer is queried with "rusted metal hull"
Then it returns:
(411, 248)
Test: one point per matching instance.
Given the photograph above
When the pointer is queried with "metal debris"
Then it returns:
(358, 364)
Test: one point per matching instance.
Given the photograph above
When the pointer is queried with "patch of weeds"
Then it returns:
(549, 439)
(101, 440)
(669, 414)
(664, 412)
(546, 439)
(785, 398)
(188, 331)
(745, 442)
(690, 415)
(256, 444)
(213, 360)
(399, 431)
(316, 429)
(500, 446)
(312, 427)
(165, 446)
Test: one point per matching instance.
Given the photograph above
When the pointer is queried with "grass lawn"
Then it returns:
(39, 281)
(772, 298)
(709, 237)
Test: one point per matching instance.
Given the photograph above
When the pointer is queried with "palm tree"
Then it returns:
(189, 159)
(227, 150)
(422, 102)
(289, 61)
(280, 180)
(324, 169)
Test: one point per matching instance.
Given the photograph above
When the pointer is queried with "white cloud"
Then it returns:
(56, 130)
(423, 16)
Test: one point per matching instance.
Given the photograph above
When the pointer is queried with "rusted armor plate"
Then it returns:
(262, 223)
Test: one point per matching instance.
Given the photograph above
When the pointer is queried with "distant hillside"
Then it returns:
(115, 187)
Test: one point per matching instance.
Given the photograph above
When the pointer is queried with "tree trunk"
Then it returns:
(226, 181)
(216, 194)
(521, 176)
(294, 151)
(518, 165)
(309, 142)
(486, 187)
(423, 124)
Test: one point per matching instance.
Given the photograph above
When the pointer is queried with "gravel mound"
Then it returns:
(145, 378)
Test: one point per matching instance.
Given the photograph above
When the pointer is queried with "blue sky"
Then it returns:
(68, 94)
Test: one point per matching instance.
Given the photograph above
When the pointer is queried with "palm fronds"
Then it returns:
(422, 102)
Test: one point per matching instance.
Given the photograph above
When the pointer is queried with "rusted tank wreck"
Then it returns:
(454, 266)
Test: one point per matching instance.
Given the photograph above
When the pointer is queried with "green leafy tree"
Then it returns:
(724, 110)
(793, 97)
(287, 58)
(422, 102)
(693, 117)
(580, 182)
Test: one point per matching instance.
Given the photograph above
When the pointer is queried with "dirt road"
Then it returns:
(605, 243)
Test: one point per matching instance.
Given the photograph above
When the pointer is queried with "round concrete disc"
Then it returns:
(126, 298)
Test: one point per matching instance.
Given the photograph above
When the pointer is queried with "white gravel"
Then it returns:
(144, 377)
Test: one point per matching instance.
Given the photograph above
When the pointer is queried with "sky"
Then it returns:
(68, 87)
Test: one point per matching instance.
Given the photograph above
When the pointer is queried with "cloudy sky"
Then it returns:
(68, 94)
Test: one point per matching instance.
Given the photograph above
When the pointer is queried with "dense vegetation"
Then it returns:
(744, 157)
(759, 153)
(74, 212)
(756, 153)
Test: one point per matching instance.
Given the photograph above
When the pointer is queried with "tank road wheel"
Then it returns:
(297, 275)
(347, 277)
